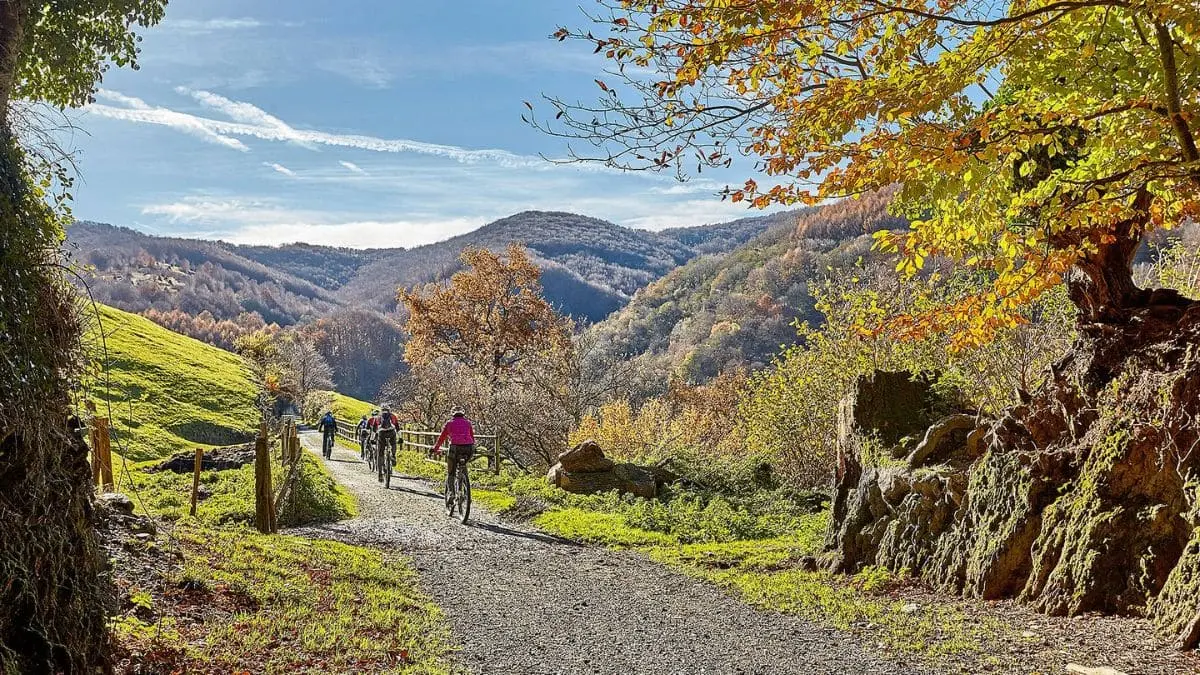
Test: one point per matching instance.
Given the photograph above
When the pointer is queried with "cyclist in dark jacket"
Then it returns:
(361, 432)
(328, 428)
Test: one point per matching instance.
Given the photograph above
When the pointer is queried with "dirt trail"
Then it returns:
(520, 601)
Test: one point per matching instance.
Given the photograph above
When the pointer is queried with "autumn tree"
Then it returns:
(490, 331)
(52, 598)
(303, 370)
(489, 317)
(363, 347)
(1037, 141)
(1040, 142)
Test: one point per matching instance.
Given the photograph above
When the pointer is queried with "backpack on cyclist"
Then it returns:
(387, 422)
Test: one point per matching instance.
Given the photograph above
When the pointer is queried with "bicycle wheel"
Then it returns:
(464, 492)
(370, 453)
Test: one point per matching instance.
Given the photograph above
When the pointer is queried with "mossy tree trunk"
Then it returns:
(52, 595)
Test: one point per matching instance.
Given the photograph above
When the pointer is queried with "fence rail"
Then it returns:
(422, 440)
(412, 438)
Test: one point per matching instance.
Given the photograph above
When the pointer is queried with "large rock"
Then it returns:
(895, 406)
(220, 459)
(1080, 499)
(585, 470)
(587, 457)
(890, 502)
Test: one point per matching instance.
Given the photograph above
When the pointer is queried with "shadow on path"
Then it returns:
(419, 493)
(533, 536)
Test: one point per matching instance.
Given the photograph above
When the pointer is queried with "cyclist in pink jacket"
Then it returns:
(461, 435)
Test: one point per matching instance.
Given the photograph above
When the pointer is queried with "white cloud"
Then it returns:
(253, 122)
(262, 221)
(351, 166)
(280, 168)
(363, 70)
(135, 108)
(211, 25)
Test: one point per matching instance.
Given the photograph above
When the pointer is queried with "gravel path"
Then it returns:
(520, 601)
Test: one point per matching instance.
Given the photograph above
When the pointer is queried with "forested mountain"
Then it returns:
(138, 272)
(736, 309)
(722, 237)
(216, 291)
(590, 267)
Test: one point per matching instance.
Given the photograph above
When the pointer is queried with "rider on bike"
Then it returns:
(328, 428)
(361, 432)
(386, 428)
(461, 435)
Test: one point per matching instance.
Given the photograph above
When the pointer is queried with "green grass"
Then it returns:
(257, 603)
(318, 498)
(284, 604)
(349, 409)
(166, 392)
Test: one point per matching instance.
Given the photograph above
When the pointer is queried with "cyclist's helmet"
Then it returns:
(458, 412)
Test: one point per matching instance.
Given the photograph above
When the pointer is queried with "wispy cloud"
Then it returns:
(211, 25)
(281, 169)
(263, 221)
(354, 168)
(363, 70)
(253, 122)
(134, 109)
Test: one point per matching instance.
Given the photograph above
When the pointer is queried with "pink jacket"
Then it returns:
(459, 431)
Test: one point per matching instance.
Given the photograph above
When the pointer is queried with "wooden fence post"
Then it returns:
(104, 452)
(94, 437)
(264, 497)
(196, 480)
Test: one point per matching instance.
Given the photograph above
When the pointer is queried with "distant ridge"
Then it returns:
(591, 267)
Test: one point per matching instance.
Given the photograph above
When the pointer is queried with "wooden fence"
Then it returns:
(267, 503)
(422, 440)
(102, 473)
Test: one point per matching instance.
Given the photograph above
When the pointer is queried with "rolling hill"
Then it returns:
(166, 392)
(736, 309)
(590, 267)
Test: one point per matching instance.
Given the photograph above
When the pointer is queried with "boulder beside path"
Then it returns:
(585, 470)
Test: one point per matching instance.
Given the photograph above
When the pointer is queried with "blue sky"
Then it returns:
(364, 123)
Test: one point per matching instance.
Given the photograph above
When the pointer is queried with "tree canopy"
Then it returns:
(490, 316)
(1039, 139)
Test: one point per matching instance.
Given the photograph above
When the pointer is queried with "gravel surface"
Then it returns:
(520, 601)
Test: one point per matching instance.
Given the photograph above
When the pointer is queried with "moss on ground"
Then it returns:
(258, 603)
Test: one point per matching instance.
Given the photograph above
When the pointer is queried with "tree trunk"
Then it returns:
(53, 595)
(1101, 283)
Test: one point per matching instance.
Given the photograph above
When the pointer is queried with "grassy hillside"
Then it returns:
(349, 409)
(167, 392)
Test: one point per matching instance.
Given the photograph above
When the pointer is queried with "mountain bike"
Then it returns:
(327, 444)
(370, 450)
(458, 485)
(386, 458)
